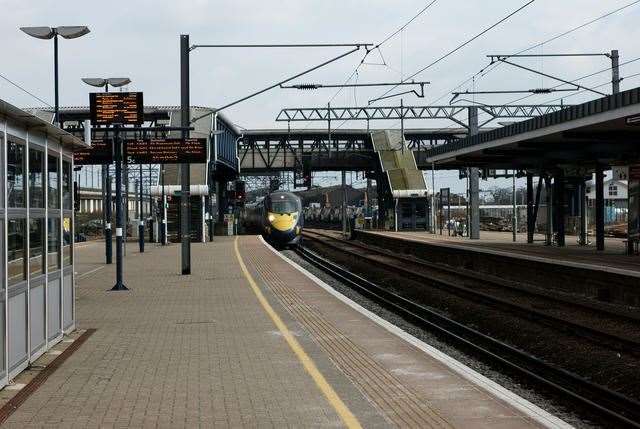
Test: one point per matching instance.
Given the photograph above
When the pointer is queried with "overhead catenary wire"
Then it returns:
(483, 114)
(25, 90)
(462, 45)
(486, 70)
(385, 40)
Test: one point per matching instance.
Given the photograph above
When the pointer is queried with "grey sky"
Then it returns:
(139, 38)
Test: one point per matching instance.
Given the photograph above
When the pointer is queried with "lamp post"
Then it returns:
(106, 181)
(68, 32)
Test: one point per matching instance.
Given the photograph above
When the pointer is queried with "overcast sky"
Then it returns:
(140, 39)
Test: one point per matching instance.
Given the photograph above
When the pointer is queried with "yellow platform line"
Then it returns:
(343, 411)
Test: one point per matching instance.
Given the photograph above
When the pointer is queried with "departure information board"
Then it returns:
(100, 152)
(167, 151)
(108, 108)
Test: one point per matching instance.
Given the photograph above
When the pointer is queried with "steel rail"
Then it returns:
(609, 404)
(474, 276)
(615, 341)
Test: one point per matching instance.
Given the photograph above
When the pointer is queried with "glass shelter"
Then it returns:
(36, 238)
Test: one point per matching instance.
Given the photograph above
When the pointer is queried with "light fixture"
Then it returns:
(68, 32)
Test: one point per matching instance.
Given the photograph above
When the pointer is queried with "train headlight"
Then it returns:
(271, 218)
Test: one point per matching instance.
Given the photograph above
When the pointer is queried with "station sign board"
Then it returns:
(100, 152)
(108, 108)
(167, 150)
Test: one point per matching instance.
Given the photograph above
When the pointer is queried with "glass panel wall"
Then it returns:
(15, 172)
(16, 251)
(66, 184)
(53, 182)
(53, 258)
(2, 168)
(67, 238)
(36, 178)
(36, 246)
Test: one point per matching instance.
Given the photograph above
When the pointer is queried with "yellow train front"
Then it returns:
(278, 217)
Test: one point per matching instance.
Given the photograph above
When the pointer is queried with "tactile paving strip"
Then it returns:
(396, 402)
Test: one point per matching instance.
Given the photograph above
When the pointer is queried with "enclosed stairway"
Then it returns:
(404, 180)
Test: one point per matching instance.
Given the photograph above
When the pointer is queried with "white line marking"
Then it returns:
(531, 410)
(89, 272)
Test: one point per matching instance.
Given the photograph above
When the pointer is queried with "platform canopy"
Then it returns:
(604, 131)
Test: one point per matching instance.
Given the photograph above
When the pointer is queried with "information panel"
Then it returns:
(167, 151)
(107, 108)
(100, 152)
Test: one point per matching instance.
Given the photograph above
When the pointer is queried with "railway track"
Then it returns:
(614, 408)
(599, 325)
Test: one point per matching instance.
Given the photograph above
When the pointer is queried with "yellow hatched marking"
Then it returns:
(345, 414)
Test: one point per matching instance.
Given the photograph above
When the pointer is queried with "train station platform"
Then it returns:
(614, 257)
(610, 275)
(250, 339)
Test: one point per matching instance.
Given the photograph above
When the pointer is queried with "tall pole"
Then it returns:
(474, 182)
(163, 218)
(549, 201)
(140, 215)
(615, 71)
(185, 235)
(329, 125)
(119, 215)
(433, 197)
(515, 208)
(344, 202)
(109, 201)
(583, 213)
(599, 207)
(402, 124)
(106, 205)
(56, 103)
(126, 201)
(530, 218)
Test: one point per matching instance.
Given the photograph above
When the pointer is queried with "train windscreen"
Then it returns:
(283, 205)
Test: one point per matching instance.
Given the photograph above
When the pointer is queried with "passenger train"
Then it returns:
(278, 217)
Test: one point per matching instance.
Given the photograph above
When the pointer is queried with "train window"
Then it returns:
(283, 206)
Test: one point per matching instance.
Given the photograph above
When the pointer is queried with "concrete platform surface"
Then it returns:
(250, 340)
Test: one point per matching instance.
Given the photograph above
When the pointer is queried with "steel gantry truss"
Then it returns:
(301, 114)
(261, 151)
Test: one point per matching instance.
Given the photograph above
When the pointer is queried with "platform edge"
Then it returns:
(526, 407)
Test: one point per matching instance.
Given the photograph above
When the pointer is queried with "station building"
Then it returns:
(36, 238)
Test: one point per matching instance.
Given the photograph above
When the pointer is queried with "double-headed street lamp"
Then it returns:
(99, 82)
(68, 32)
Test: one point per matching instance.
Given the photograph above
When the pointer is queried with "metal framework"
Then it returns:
(273, 150)
(412, 112)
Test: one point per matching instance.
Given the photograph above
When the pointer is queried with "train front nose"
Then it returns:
(283, 222)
